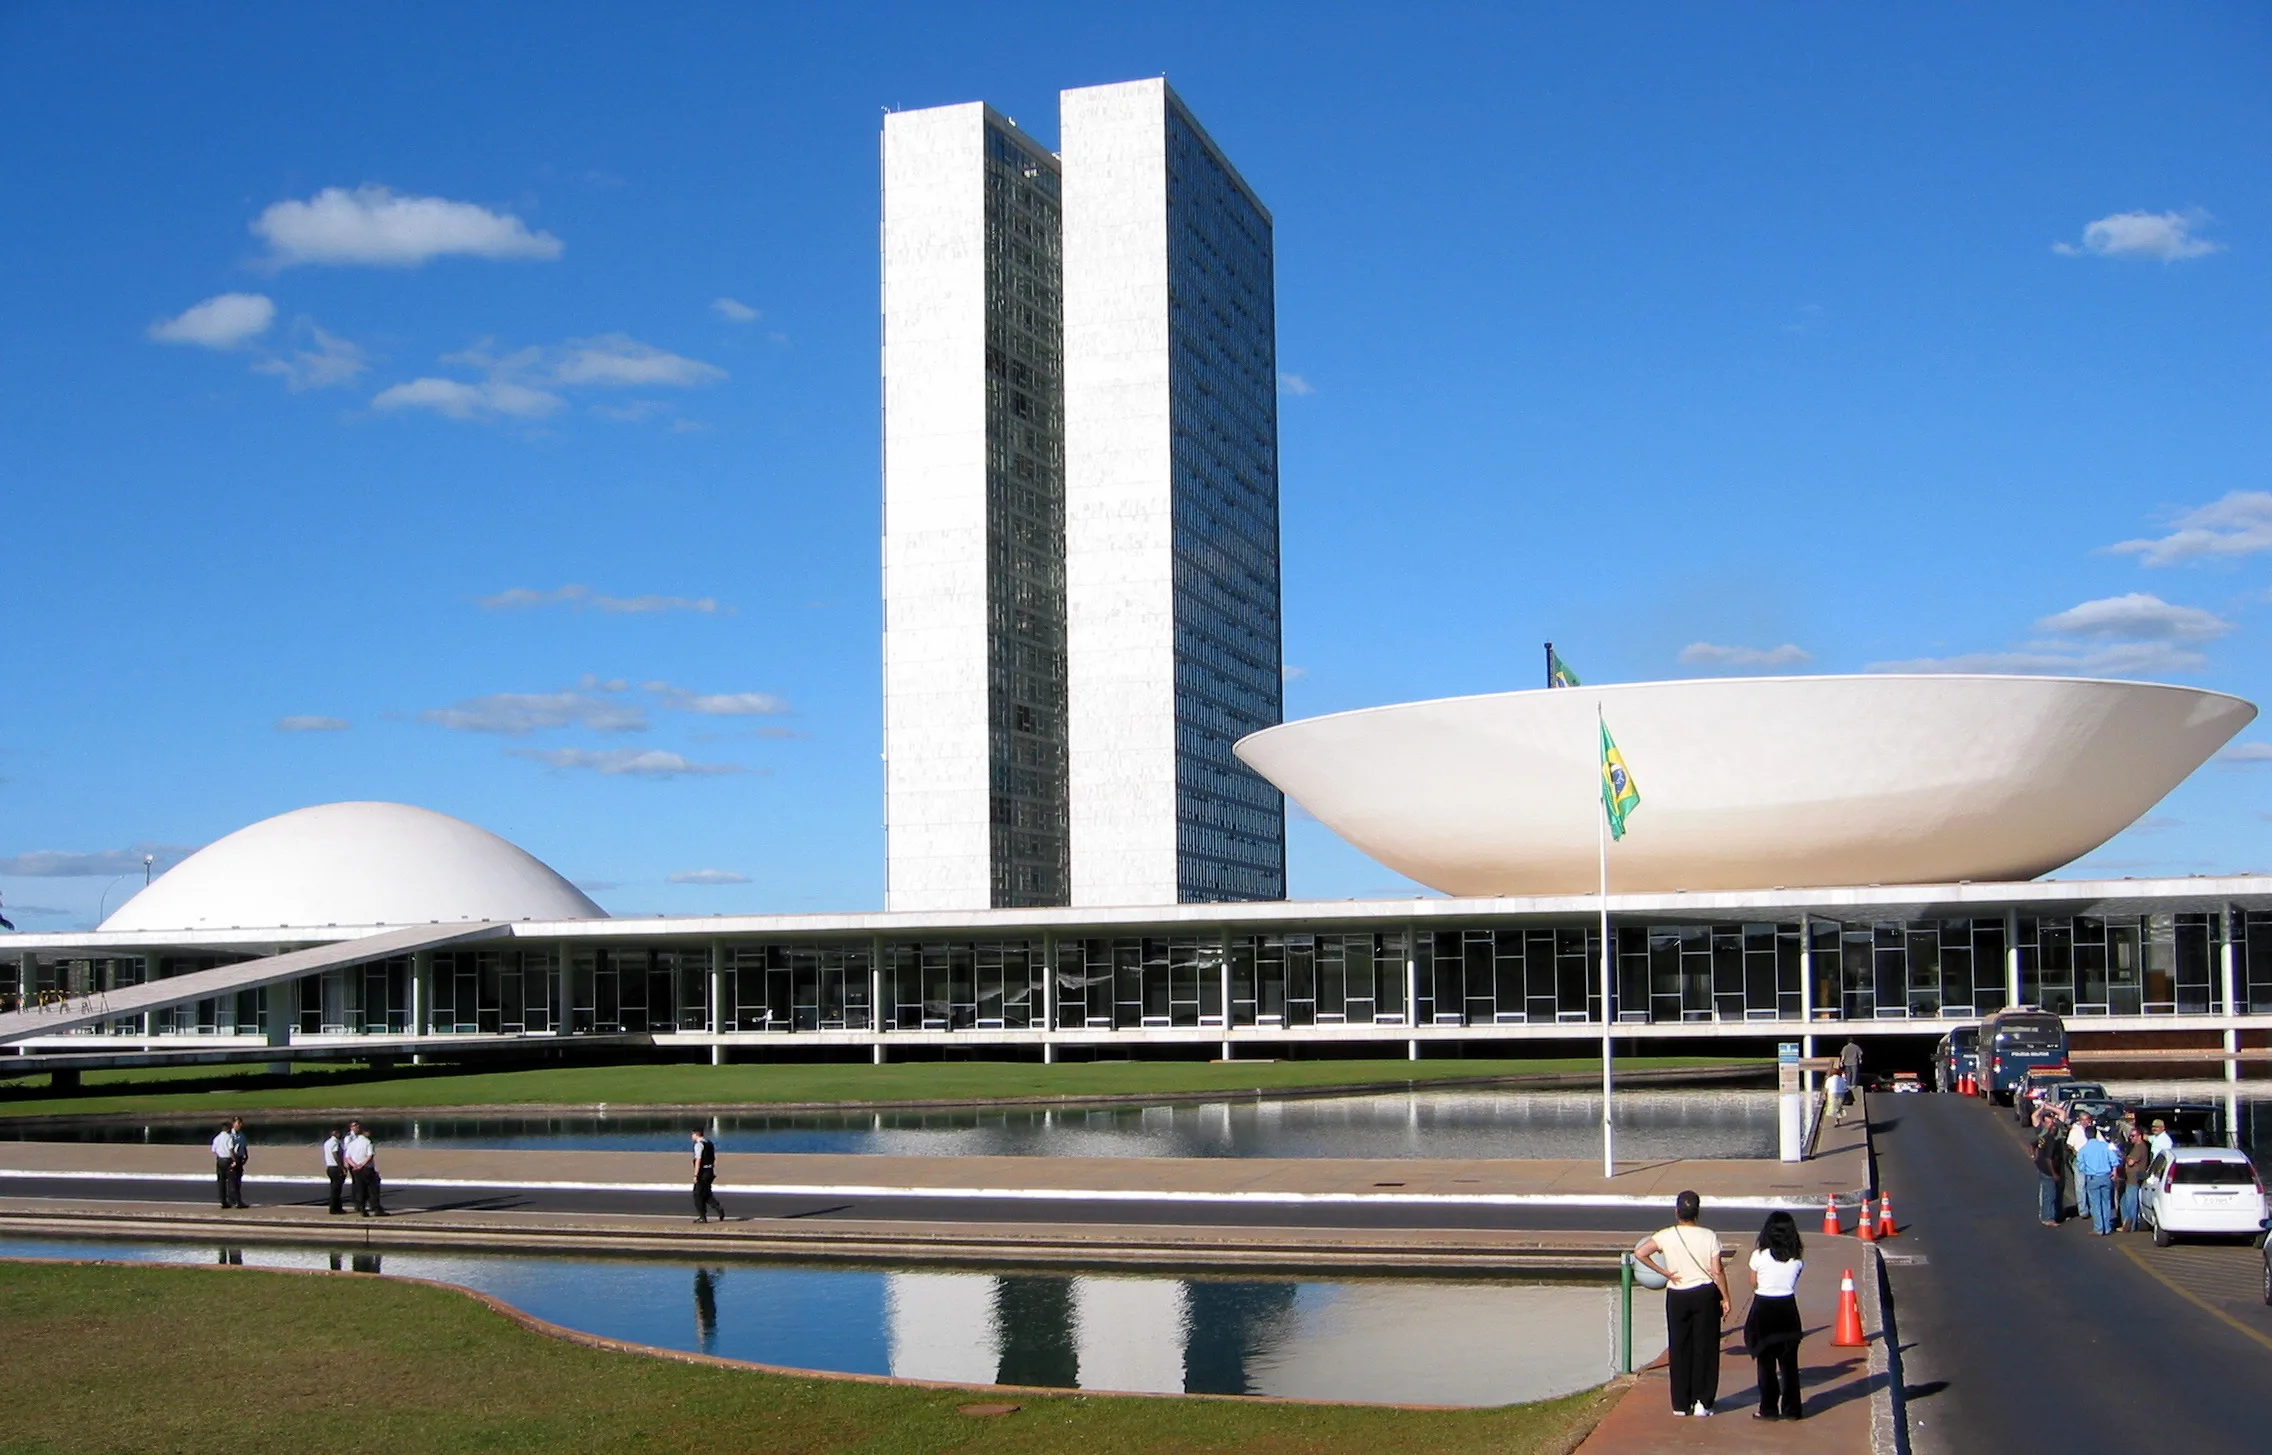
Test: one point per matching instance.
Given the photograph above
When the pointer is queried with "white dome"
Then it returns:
(1747, 783)
(353, 864)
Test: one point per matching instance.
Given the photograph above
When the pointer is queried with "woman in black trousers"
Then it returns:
(1696, 1303)
(1771, 1328)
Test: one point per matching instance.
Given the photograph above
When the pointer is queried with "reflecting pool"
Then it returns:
(1469, 1123)
(1378, 1341)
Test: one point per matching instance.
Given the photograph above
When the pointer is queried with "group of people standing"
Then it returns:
(1698, 1304)
(2093, 1170)
(349, 1160)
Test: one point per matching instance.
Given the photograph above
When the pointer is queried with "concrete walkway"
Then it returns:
(1838, 1384)
(1470, 1251)
(1840, 1170)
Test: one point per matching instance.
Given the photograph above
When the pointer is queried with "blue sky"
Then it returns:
(526, 466)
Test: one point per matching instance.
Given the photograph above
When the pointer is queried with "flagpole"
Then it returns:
(1608, 959)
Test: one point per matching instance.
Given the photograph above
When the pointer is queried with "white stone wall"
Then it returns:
(1119, 571)
(934, 566)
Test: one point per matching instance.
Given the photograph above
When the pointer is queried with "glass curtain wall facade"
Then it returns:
(1478, 976)
(1025, 525)
(1223, 388)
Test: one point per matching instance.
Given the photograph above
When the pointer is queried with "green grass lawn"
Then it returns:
(315, 1086)
(110, 1359)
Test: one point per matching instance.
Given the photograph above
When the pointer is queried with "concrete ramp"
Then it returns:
(98, 1006)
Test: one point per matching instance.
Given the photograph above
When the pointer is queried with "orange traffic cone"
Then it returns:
(1964, 1084)
(1848, 1334)
(1865, 1229)
(1886, 1229)
(1830, 1227)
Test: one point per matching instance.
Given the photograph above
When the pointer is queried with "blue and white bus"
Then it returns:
(2014, 1042)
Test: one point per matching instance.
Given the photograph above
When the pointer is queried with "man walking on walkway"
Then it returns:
(1850, 1060)
(229, 1157)
(362, 1161)
(705, 1174)
(2097, 1162)
(334, 1171)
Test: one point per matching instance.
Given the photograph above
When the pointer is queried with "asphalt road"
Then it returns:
(891, 1209)
(2017, 1337)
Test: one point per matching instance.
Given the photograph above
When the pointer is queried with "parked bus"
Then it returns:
(2015, 1042)
(1956, 1057)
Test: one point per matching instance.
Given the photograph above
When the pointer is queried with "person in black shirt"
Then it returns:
(705, 1174)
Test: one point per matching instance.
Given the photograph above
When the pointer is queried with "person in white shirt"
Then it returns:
(1834, 1091)
(230, 1154)
(1772, 1327)
(362, 1161)
(224, 1164)
(1696, 1303)
(2161, 1142)
(334, 1170)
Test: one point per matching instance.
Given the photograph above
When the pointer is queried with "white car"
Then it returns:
(2212, 1191)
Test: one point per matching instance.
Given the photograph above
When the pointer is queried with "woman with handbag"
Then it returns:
(1696, 1303)
(1771, 1327)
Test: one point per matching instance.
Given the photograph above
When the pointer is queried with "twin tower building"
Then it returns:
(1081, 599)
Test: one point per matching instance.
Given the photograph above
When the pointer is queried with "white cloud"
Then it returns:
(1294, 384)
(2240, 524)
(2163, 237)
(454, 399)
(517, 714)
(2136, 617)
(2247, 753)
(577, 597)
(375, 227)
(708, 876)
(327, 362)
(717, 704)
(618, 361)
(1711, 654)
(311, 724)
(220, 322)
(2121, 659)
(1292, 673)
(101, 864)
(2116, 636)
(734, 310)
(625, 762)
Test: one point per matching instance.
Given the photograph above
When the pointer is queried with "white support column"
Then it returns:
(1412, 990)
(27, 977)
(2011, 957)
(1806, 999)
(2226, 971)
(717, 1001)
(876, 1016)
(151, 966)
(421, 997)
(563, 997)
(1223, 955)
(1049, 1000)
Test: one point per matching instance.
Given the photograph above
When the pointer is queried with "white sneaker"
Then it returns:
(1703, 1411)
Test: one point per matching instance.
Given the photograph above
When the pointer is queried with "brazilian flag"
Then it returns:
(1619, 796)
(1558, 673)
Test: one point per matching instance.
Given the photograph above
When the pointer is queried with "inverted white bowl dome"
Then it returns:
(1750, 783)
(353, 864)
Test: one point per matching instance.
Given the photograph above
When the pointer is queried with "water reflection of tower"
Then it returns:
(1229, 1325)
(706, 1283)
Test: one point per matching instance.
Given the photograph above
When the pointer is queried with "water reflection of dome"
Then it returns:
(353, 864)
(1750, 783)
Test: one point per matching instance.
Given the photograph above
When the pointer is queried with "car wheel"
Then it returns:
(2268, 1280)
(2162, 1238)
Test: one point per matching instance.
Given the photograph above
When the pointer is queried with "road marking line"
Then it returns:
(2196, 1300)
